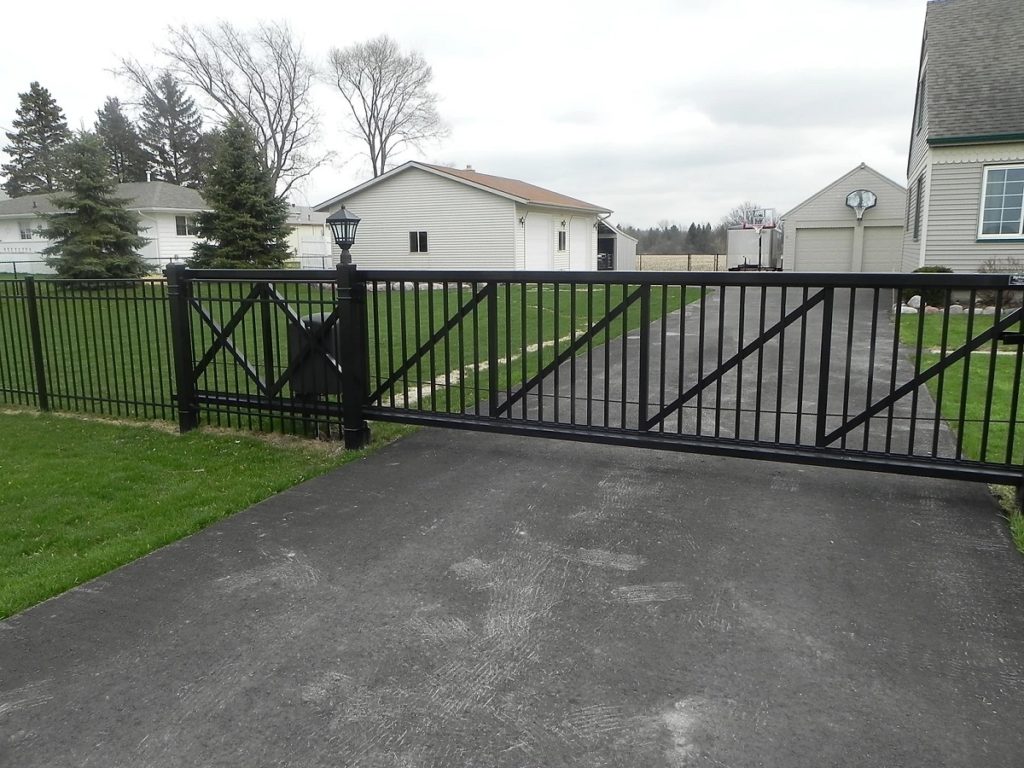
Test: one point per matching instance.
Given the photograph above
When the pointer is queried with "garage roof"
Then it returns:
(520, 191)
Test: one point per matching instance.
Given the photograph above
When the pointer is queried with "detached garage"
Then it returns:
(855, 224)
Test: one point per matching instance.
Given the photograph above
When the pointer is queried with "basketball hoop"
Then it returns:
(758, 219)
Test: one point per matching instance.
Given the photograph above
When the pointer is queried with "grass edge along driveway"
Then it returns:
(929, 328)
(81, 497)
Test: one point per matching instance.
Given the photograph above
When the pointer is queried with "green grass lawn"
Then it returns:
(81, 497)
(998, 405)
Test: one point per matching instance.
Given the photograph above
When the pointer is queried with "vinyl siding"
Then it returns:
(954, 207)
(165, 243)
(159, 227)
(830, 203)
(919, 138)
(583, 242)
(625, 253)
(912, 248)
(882, 249)
(467, 228)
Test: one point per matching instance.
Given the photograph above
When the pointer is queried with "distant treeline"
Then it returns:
(671, 238)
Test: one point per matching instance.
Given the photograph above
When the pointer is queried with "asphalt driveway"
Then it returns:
(464, 599)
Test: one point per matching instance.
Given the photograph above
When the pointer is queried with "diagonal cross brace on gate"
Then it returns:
(316, 338)
(735, 360)
(424, 349)
(922, 378)
(569, 352)
(222, 336)
(222, 339)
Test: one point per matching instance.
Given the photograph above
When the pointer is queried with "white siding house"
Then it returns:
(166, 218)
(421, 216)
(166, 212)
(965, 166)
(823, 234)
(309, 240)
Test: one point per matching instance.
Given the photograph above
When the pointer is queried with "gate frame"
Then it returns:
(357, 399)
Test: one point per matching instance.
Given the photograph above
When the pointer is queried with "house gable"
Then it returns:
(828, 204)
(465, 227)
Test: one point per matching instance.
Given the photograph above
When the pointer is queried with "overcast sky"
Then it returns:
(658, 110)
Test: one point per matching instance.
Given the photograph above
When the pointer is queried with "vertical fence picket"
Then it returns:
(38, 361)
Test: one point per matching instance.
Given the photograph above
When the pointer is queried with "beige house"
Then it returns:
(421, 216)
(824, 234)
(965, 171)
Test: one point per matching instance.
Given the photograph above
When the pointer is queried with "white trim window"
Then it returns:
(27, 229)
(1002, 203)
(185, 226)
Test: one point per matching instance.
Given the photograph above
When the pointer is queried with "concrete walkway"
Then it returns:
(464, 599)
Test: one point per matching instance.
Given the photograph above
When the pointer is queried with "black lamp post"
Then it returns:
(343, 226)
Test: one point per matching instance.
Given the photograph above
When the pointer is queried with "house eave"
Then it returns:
(992, 138)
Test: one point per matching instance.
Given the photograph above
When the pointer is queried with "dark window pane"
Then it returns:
(413, 243)
(423, 242)
(179, 225)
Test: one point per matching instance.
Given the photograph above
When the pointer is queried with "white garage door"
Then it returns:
(824, 250)
(539, 248)
(883, 248)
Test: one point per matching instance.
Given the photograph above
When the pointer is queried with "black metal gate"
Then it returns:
(819, 369)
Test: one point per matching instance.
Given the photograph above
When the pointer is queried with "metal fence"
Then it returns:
(822, 369)
(94, 347)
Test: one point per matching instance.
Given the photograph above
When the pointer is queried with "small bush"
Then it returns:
(1004, 266)
(933, 297)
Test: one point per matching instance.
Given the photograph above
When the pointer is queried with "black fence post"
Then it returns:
(32, 305)
(178, 292)
(644, 377)
(354, 375)
(824, 369)
(492, 348)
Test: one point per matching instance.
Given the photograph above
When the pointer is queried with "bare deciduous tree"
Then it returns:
(261, 77)
(389, 95)
(741, 213)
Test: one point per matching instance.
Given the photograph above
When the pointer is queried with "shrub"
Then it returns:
(1004, 266)
(933, 297)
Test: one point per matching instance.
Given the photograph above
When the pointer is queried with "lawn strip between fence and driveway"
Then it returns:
(84, 495)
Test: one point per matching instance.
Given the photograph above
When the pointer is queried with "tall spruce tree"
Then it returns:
(246, 226)
(37, 142)
(171, 130)
(94, 236)
(127, 158)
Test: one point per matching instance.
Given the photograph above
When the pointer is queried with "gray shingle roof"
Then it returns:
(145, 195)
(974, 77)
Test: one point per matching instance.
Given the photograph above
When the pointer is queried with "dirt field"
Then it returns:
(707, 262)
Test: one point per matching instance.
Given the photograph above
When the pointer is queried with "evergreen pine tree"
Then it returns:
(37, 142)
(127, 159)
(171, 130)
(96, 236)
(246, 226)
(692, 239)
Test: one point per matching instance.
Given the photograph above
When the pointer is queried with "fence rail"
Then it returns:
(820, 369)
